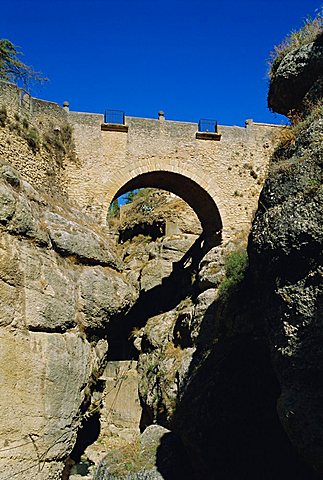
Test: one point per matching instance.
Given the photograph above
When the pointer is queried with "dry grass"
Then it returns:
(283, 159)
(135, 332)
(310, 32)
(175, 352)
(131, 459)
(286, 137)
(59, 142)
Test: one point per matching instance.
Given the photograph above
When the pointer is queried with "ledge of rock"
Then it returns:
(297, 73)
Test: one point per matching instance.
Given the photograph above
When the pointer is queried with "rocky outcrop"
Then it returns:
(286, 243)
(296, 80)
(59, 289)
(205, 374)
(159, 455)
(151, 206)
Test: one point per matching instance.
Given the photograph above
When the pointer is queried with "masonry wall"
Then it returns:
(231, 170)
(42, 164)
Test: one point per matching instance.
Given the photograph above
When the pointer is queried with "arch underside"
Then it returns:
(190, 191)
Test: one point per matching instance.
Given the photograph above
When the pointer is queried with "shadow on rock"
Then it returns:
(159, 456)
(162, 298)
(226, 413)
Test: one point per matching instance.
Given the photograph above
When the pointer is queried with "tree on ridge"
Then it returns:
(12, 69)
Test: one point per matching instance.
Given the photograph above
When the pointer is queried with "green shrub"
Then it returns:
(114, 209)
(236, 264)
(130, 196)
(32, 137)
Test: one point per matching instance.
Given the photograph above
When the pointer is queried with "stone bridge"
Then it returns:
(219, 175)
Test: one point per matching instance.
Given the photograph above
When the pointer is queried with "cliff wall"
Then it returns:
(59, 288)
(286, 243)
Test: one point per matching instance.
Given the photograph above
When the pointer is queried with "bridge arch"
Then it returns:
(197, 197)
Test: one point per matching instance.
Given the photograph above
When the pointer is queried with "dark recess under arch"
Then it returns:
(190, 191)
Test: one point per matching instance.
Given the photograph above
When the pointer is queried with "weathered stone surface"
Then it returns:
(70, 238)
(48, 367)
(153, 273)
(10, 175)
(174, 248)
(120, 411)
(158, 331)
(26, 222)
(147, 263)
(7, 204)
(43, 377)
(163, 363)
(20, 213)
(160, 457)
(51, 305)
(104, 296)
(38, 289)
(9, 303)
(297, 72)
(211, 271)
(286, 243)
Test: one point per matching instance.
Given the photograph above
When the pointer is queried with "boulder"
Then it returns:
(70, 238)
(293, 77)
(105, 295)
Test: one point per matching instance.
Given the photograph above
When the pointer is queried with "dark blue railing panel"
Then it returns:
(114, 116)
(208, 126)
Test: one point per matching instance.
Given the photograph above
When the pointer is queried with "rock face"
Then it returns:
(286, 243)
(297, 79)
(59, 289)
(159, 455)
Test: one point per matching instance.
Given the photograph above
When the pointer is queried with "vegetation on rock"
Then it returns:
(235, 267)
(311, 30)
(283, 158)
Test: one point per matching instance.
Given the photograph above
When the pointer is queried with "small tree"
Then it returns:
(130, 196)
(114, 208)
(14, 70)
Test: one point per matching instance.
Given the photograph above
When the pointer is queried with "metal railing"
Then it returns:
(208, 126)
(116, 117)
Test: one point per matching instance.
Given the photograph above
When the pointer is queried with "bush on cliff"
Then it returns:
(235, 266)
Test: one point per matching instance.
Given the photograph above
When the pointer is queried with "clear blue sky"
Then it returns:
(192, 58)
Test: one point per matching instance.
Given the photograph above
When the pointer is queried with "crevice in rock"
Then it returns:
(161, 298)
(153, 230)
(87, 434)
